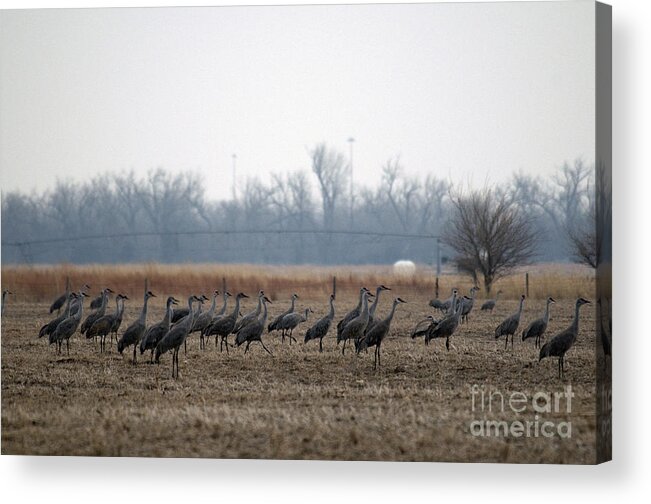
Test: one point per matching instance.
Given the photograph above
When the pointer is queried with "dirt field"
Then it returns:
(299, 404)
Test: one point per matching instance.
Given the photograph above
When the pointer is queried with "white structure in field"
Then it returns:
(404, 268)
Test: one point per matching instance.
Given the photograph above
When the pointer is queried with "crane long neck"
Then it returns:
(264, 312)
(361, 300)
(546, 317)
(236, 310)
(365, 307)
(117, 306)
(102, 307)
(143, 313)
(291, 308)
(79, 313)
(393, 310)
(214, 304)
(259, 309)
(223, 308)
(169, 312)
(375, 302)
(331, 315)
(575, 322)
(190, 317)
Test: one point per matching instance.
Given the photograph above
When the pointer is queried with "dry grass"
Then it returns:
(44, 283)
(298, 404)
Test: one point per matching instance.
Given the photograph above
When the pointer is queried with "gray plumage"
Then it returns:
(445, 304)
(96, 302)
(489, 304)
(373, 307)
(49, 328)
(136, 330)
(68, 327)
(250, 316)
(355, 328)
(509, 326)
(377, 333)
(350, 315)
(467, 304)
(203, 320)
(104, 325)
(537, 328)
(253, 330)
(58, 303)
(274, 325)
(176, 337)
(100, 312)
(291, 321)
(423, 327)
(224, 325)
(156, 332)
(322, 326)
(446, 327)
(563, 341)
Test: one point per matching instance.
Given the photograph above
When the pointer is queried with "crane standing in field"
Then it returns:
(221, 313)
(223, 326)
(97, 313)
(378, 332)
(509, 326)
(250, 316)
(68, 327)
(136, 330)
(322, 326)
(559, 345)
(253, 330)
(424, 326)
(58, 303)
(204, 319)
(350, 315)
(373, 307)
(489, 304)
(175, 338)
(446, 306)
(355, 328)
(104, 325)
(446, 327)
(274, 325)
(538, 327)
(49, 328)
(155, 333)
(291, 322)
(467, 303)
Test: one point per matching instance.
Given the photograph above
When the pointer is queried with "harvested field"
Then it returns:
(298, 404)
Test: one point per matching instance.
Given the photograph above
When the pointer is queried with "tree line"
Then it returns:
(152, 217)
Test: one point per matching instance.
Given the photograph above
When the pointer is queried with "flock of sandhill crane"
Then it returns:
(359, 326)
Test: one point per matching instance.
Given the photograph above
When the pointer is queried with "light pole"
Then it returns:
(234, 177)
(351, 140)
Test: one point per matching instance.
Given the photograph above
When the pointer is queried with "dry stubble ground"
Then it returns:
(298, 404)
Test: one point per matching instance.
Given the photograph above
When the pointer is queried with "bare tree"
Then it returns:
(488, 235)
(330, 168)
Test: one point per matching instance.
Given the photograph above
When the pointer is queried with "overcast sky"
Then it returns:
(472, 92)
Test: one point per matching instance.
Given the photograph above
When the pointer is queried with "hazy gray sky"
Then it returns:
(467, 91)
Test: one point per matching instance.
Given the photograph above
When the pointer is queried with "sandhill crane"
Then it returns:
(447, 304)
(217, 316)
(49, 328)
(181, 313)
(155, 333)
(378, 332)
(223, 326)
(68, 327)
(424, 326)
(204, 319)
(104, 325)
(97, 313)
(60, 301)
(563, 341)
(351, 314)
(274, 324)
(322, 326)
(74, 303)
(446, 327)
(355, 328)
(538, 327)
(95, 303)
(135, 331)
(250, 316)
(509, 326)
(175, 337)
(373, 307)
(489, 304)
(4, 300)
(253, 330)
(291, 322)
(467, 303)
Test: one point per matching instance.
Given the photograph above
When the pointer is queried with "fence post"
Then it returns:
(526, 284)
(436, 288)
(223, 284)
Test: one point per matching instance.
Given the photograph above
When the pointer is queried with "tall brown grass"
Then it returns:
(43, 283)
